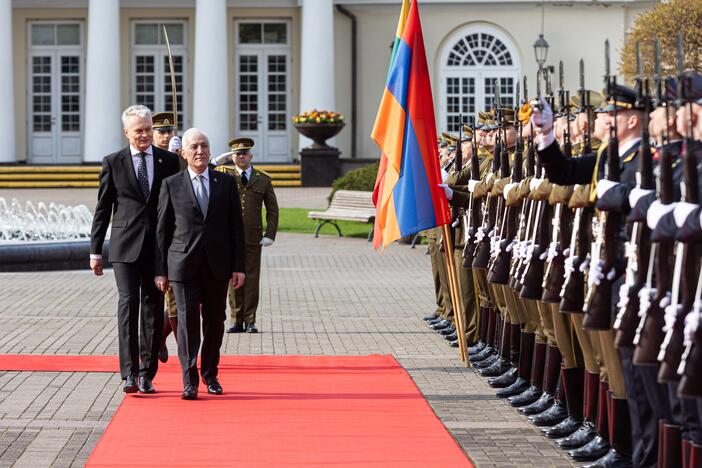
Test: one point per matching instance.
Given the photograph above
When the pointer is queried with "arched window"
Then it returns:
(473, 61)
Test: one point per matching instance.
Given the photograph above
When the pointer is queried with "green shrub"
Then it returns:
(362, 178)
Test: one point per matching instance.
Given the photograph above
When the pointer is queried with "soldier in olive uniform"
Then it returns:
(256, 191)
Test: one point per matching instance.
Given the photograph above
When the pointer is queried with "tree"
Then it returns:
(663, 22)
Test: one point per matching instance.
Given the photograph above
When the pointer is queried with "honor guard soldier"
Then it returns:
(256, 191)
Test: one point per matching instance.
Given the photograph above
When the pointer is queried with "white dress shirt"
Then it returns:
(136, 160)
(205, 180)
(247, 171)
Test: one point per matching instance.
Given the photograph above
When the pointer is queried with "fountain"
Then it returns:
(43, 237)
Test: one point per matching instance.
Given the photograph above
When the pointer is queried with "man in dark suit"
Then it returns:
(130, 182)
(200, 237)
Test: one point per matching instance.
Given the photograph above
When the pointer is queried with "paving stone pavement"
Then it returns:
(332, 296)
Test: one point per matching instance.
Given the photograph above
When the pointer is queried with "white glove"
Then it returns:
(692, 321)
(447, 191)
(224, 158)
(595, 275)
(266, 242)
(471, 185)
(656, 211)
(175, 144)
(543, 118)
(585, 264)
(671, 313)
(637, 194)
(682, 211)
(533, 183)
(604, 185)
(444, 175)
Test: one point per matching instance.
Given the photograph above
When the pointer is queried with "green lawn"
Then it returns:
(296, 220)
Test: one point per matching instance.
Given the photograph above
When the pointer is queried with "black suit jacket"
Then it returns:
(120, 199)
(186, 238)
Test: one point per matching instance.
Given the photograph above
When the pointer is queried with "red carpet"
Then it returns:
(276, 411)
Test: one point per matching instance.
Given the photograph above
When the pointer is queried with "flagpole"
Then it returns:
(455, 288)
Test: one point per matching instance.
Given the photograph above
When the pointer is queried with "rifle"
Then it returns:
(482, 251)
(499, 273)
(458, 165)
(532, 277)
(673, 343)
(638, 248)
(573, 290)
(526, 215)
(474, 206)
(554, 276)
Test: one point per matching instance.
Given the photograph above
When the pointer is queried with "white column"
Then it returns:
(103, 108)
(211, 81)
(317, 59)
(7, 117)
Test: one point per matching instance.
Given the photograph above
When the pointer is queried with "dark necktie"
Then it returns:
(244, 179)
(142, 176)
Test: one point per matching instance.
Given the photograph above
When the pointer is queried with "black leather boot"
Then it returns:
(619, 455)
(533, 393)
(515, 350)
(473, 350)
(498, 367)
(487, 362)
(552, 416)
(585, 433)
(504, 380)
(486, 352)
(599, 446)
(587, 430)
(572, 381)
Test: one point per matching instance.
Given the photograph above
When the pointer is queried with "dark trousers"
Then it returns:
(139, 335)
(644, 421)
(243, 302)
(685, 414)
(204, 295)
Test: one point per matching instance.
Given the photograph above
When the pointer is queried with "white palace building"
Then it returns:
(244, 67)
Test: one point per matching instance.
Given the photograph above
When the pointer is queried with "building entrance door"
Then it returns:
(55, 71)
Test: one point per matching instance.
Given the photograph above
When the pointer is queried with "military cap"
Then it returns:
(593, 98)
(450, 138)
(622, 98)
(507, 116)
(163, 121)
(241, 144)
(467, 133)
(482, 118)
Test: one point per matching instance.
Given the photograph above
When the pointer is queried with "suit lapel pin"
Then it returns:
(215, 179)
(160, 160)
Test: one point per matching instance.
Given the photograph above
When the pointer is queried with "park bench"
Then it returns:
(346, 205)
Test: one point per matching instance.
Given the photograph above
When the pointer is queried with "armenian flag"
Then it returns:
(407, 196)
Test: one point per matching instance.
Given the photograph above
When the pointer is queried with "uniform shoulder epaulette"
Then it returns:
(262, 172)
(225, 169)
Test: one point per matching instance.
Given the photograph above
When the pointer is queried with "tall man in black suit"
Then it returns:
(130, 182)
(200, 238)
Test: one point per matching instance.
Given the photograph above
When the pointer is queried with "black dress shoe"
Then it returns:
(214, 388)
(163, 354)
(452, 337)
(518, 387)
(448, 331)
(251, 328)
(236, 328)
(189, 393)
(130, 385)
(473, 350)
(562, 429)
(431, 317)
(504, 380)
(552, 416)
(612, 459)
(527, 397)
(498, 367)
(490, 360)
(544, 402)
(593, 450)
(441, 325)
(435, 321)
(454, 344)
(145, 385)
(579, 438)
(486, 352)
